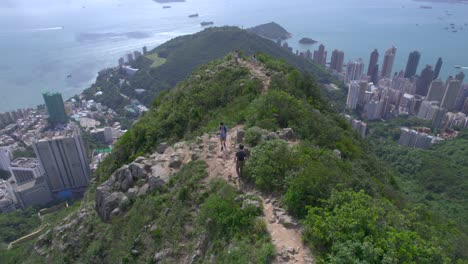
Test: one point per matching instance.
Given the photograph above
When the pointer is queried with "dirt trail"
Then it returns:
(287, 240)
(258, 70)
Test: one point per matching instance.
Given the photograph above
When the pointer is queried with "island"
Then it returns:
(271, 31)
(307, 41)
(444, 1)
(168, 1)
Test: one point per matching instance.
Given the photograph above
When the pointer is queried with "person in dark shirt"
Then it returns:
(241, 155)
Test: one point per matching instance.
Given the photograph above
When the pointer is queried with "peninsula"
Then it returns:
(270, 30)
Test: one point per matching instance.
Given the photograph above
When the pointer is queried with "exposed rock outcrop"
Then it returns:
(114, 196)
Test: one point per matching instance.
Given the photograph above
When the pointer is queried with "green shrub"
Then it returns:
(253, 136)
(269, 164)
(353, 227)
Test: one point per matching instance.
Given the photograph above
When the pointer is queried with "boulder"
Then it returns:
(143, 190)
(107, 201)
(127, 183)
(120, 173)
(271, 136)
(180, 145)
(160, 256)
(124, 203)
(114, 213)
(140, 159)
(291, 251)
(287, 134)
(337, 153)
(162, 148)
(137, 170)
(287, 221)
(175, 162)
(284, 255)
(132, 192)
(156, 182)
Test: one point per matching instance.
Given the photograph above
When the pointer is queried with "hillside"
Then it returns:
(168, 194)
(181, 55)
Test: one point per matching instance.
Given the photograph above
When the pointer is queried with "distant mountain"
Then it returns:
(270, 30)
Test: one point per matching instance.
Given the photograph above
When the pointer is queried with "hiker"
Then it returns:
(236, 56)
(222, 135)
(241, 155)
(254, 58)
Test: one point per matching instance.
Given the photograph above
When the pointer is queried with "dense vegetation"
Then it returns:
(17, 224)
(436, 177)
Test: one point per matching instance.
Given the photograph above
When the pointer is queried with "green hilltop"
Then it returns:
(178, 57)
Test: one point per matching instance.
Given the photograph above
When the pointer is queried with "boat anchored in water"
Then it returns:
(206, 23)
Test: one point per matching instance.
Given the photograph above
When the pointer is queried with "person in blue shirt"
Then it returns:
(222, 135)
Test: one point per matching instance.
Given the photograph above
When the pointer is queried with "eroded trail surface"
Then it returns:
(259, 71)
(286, 234)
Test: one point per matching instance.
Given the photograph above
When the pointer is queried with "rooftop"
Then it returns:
(25, 163)
(27, 185)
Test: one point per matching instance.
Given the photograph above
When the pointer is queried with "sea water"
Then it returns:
(60, 45)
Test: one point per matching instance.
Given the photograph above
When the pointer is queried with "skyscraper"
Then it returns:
(63, 159)
(436, 91)
(354, 70)
(337, 60)
(130, 58)
(460, 76)
(387, 66)
(451, 92)
(437, 68)
(412, 64)
(375, 75)
(374, 58)
(5, 158)
(422, 86)
(55, 108)
(320, 55)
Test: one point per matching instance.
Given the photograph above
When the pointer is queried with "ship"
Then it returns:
(166, 7)
(193, 15)
(206, 23)
(425, 7)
